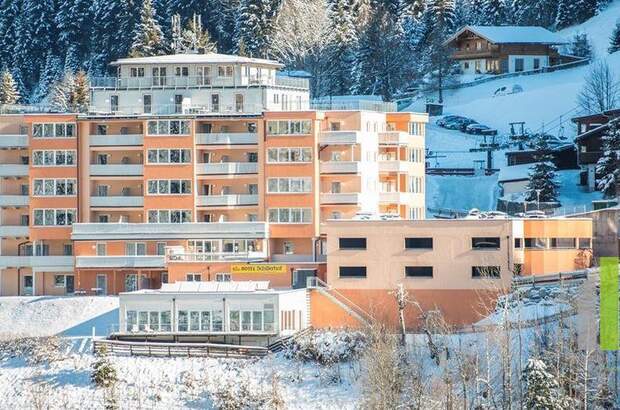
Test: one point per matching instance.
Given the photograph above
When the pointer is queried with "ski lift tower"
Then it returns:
(518, 133)
(489, 147)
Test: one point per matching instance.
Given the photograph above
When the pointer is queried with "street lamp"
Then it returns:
(538, 191)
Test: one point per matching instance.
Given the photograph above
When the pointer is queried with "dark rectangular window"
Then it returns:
(353, 271)
(485, 243)
(518, 243)
(563, 243)
(418, 243)
(535, 243)
(419, 271)
(485, 271)
(352, 243)
(585, 243)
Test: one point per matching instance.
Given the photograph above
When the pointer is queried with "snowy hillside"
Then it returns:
(547, 102)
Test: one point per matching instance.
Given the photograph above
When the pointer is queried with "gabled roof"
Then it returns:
(512, 35)
(189, 58)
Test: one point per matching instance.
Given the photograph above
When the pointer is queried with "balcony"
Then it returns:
(394, 166)
(394, 138)
(340, 198)
(173, 82)
(227, 200)
(17, 201)
(229, 138)
(8, 231)
(116, 201)
(184, 231)
(340, 137)
(125, 261)
(13, 141)
(227, 168)
(340, 167)
(396, 197)
(47, 263)
(116, 170)
(298, 258)
(220, 257)
(13, 170)
(116, 140)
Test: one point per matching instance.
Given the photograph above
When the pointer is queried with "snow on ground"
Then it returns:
(39, 316)
(461, 192)
(598, 28)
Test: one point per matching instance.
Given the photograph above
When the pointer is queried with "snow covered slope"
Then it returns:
(46, 316)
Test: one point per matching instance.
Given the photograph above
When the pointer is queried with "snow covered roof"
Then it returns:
(189, 58)
(208, 287)
(512, 34)
(514, 173)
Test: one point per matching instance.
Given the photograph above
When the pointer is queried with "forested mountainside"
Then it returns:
(348, 46)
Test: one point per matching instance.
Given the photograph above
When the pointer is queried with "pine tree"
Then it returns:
(195, 38)
(221, 21)
(581, 47)
(608, 166)
(542, 185)
(8, 90)
(341, 49)
(148, 38)
(71, 94)
(80, 92)
(106, 37)
(255, 24)
(542, 388)
(565, 14)
(73, 22)
(614, 41)
(494, 12)
(50, 73)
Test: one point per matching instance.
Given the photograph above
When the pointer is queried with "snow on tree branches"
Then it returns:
(542, 388)
(542, 185)
(614, 44)
(8, 89)
(71, 94)
(608, 166)
(148, 38)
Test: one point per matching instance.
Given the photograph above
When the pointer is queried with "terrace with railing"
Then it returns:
(149, 83)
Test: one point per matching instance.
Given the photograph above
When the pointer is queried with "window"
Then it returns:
(485, 272)
(135, 249)
(169, 186)
(159, 76)
(284, 155)
(136, 71)
(289, 185)
(234, 320)
(131, 282)
(288, 127)
(169, 156)
(67, 249)
(193, 277)
(416, 128)
(164, 216)
(419, 271)
(352, 243)
(60, 281)
(518, 243)
(585, 243)
(114, 103)
(288, 248)
(54, 187)
(485, 243)
(168, 127)
(104, 219)
(563, 243)
(147, 103)
(53, 158)
(519, 64)
(54, 217)
(101, 249)
(352, 271)
(336, 215)
(418, 243)
(536, 63)
(239, 102)
(290, 215)
(223, 277)
(535, 243)
(204, 75)
(161, 248)
(181, 71)
(54, 130)
(215, 102)
(225, 71)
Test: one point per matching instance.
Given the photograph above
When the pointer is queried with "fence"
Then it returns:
(177, 349)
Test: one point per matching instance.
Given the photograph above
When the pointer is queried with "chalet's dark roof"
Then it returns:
(512, 35)
(594, 131)
(600, 116)
(559, 148)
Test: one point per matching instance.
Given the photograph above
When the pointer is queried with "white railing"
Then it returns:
(394, 166)
(8, 231)
(216, 256)
(117, 201)
(116, 140)
(324, 104)
(340, 198)
(52, 263)
(13, 141)
(125, 261)
(13, 170)
(14, 200)
(340, 137)
(340, 167)
(117, 169)
(147, 83)
(105, 109)
(230, 138)
(227, 168)
(396, 197)
(394, 137)
(227, 200)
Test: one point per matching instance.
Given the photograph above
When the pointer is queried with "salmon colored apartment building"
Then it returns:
(190, 167)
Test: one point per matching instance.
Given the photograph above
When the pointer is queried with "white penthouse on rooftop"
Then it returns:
(197, 84)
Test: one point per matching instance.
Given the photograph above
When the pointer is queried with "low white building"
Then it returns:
(246, 312)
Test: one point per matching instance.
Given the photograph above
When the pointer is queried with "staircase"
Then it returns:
(338, 298)
(279, 343)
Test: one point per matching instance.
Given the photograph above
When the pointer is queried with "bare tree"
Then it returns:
(601, 90)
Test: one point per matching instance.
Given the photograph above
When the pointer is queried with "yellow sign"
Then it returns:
(258, 269)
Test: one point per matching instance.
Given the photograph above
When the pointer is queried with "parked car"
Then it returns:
(535, 215)
(459, 123)
(446, 119)
(466, 123)
(479, 129)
